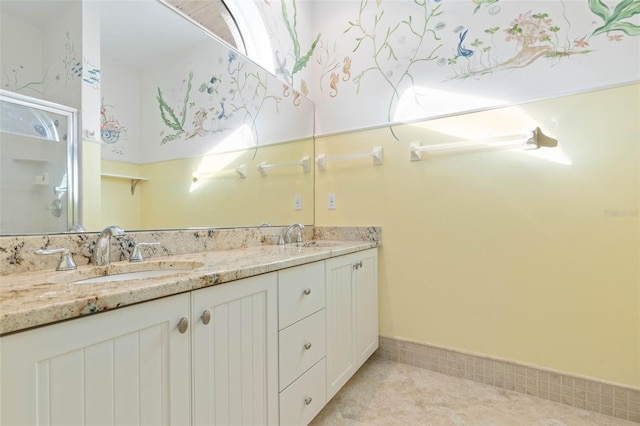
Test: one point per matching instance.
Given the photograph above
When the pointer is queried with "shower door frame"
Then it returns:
(71, 114)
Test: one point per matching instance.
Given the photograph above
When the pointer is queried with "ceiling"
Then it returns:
(214, 16)
(138, 32)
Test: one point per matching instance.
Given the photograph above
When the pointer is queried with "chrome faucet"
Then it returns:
(102, 251)
(289, 230)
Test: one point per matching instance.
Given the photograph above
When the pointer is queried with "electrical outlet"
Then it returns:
(331, 201)
(297, 202)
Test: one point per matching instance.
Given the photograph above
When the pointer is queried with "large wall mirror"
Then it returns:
(177, 129)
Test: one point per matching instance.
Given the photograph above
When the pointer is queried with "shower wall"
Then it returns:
(30, 170)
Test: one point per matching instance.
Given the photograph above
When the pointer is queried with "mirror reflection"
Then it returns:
(37, 176)
(170, 116)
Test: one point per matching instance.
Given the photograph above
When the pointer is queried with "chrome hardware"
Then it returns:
(56, 208)
(206, 317)
(136, 256)
(102, 251)
(308, 400)
(307, 346)
(66, 261)
(357, 265)
(289, 230)
(307, 291)
(183, 324)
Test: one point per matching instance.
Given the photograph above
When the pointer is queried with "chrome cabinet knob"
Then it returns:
(307, 346)
(183, 324)
(307, 291)
(308, 400)
(206, 317)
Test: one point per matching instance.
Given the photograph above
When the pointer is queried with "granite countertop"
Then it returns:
(31, 299)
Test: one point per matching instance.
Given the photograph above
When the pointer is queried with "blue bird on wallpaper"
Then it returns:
(462, 51)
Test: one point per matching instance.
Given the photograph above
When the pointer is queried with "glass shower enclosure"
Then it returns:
(38, 166)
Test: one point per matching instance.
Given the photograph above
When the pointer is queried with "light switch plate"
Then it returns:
(297, 202)
(331, 201)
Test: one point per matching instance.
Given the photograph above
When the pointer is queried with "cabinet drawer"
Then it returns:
(300, 292)
(301, 346)
(301, 401)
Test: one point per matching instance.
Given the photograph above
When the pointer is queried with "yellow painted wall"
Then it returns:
(172, 200)
(90, 187)
(119, 206)
(529, 257)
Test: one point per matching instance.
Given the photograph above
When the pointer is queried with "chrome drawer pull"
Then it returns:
(308, 400)
(307, 345)
(307, 291)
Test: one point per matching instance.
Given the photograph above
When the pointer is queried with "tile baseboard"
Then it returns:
(611, 399)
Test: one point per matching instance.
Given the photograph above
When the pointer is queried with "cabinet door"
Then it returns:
(127, 366)
(352, 315)
(366, 305)
(341, 327)
(235, 355)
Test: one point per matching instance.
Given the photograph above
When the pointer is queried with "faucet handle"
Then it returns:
(136, 256)
(66, 261)
(299, 237)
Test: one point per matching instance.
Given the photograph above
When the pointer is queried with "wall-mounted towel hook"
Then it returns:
(241, 171)
(304, 162)
(527, 141)
(375, 154)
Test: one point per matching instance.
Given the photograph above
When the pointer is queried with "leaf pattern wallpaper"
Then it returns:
(58, 77)
(235, 93)
(212, 97)
(375, 62)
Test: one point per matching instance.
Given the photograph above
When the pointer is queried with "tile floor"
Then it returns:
(384, 392)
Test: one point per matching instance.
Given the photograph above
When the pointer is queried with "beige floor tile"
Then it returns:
(390, 393)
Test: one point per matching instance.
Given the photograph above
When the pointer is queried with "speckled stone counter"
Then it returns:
(38, 297)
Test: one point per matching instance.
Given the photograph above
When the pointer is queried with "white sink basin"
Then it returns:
(320, 243)
(125, 276)
(125, 271)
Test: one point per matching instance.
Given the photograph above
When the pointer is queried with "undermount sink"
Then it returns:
(128, 272)
(320, 243)
(130, 276)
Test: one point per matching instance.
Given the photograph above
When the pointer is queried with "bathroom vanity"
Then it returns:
(258, 335)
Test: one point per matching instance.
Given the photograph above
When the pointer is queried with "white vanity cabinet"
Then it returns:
(302, 342)
(265, 350)
(235, 358)
(352, 315)
(127, 366)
